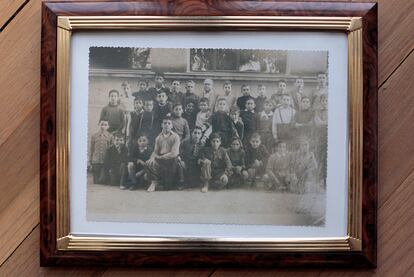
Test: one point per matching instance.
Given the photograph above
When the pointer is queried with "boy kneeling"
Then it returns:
(162, 165)
(215, 165)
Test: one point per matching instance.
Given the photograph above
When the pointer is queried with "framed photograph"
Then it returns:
(207, 133)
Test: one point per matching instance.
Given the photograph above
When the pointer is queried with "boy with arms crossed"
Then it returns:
(162, 165)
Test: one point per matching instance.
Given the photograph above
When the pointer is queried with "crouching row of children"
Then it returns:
(176, 165)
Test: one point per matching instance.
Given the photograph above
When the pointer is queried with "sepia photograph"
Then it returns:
(207, 136)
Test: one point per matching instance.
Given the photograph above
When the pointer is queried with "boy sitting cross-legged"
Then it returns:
(138, 155)
(215, 165)
(162, 165)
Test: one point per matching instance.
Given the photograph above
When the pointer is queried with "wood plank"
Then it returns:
(8, 9)
(25, 262)
(18, 219)
(395, 36)
(396, 129)
(20, 70)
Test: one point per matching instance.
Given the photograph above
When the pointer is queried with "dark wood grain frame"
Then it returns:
(360, 252)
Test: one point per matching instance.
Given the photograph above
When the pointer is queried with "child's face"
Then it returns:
(148, 106)
(138, 105)
(203, 106)
(189, 108)
(104, 125)
(322, 80)
(118, 141)
(126, 87)
(285, 100)
(324, 102)
(235, 145)
(167, 125)
(299, 83)
(114, 98)
(208, 86)
(142, 142)
(250, 105)
(227, 88)
(305, 104)
(282, 87)
(262, 91)
(162, 98)
(142, 86)
(222, 105)
(281, 148)
(304, 146)
(178, 111)
(215, 143)
(246, 91)
(189, 87)
(268, 106)
(234, 116)
(197, 134)
(159, 80)
(175, 86)
(255, 142)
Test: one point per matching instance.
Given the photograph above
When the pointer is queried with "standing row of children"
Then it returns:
(180, 139)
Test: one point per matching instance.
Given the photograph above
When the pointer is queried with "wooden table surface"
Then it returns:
(19, 151)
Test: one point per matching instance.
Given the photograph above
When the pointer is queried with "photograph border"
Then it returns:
(358, 20)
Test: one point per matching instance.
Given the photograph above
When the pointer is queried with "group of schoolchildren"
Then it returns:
(169, 139)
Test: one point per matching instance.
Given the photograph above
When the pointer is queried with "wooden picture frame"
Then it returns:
(357, 19)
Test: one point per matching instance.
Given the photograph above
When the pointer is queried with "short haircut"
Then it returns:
(227, 83)
(176, 104)
(124, 83)
(175, 80)
(143, 80)
(204, 100)
(208, 81)
(282, 81)
(221, 99)
(161, 91)
(234, 109)
(113, 91)
(159, 74)
(215, 136)
(198, 128)
(278, 142)
(304, 97)
(167, 117)
(255, 136)
(118, 135)
(147, 100)
(244, 86)
(268, 102)
(190, 82)
(142, 136)
(250, 98)
(103, 119)
(323, 97)
(238, 139)
(139, 98)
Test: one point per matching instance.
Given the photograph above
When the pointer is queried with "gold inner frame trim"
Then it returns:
(351, 25)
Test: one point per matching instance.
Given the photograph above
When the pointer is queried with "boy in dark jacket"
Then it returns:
(256, 158)
(222, 124)
(138, 155)
(250, 120)
(116, 159)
